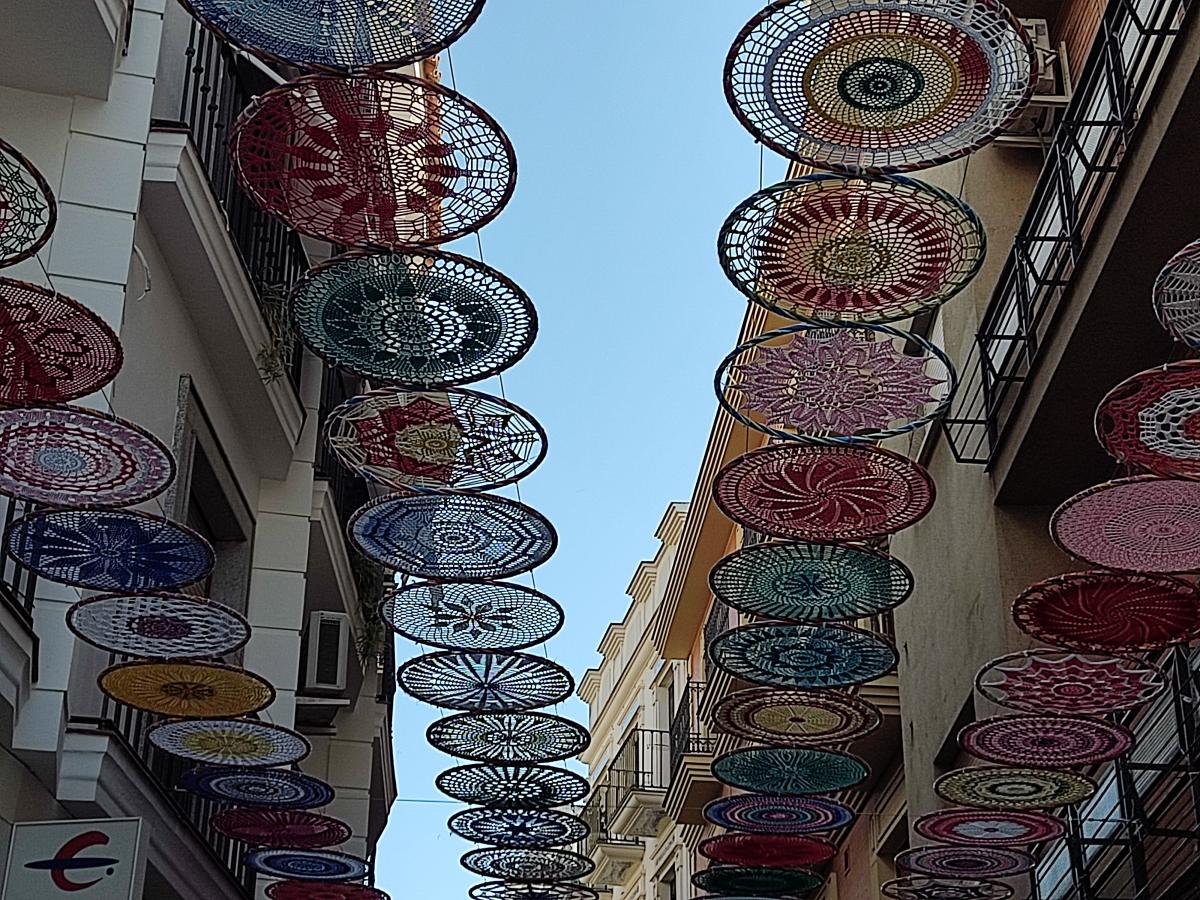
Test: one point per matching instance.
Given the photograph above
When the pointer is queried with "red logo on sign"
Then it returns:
(67, 859)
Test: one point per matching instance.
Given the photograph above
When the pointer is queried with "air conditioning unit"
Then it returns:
(1035, 125)
(328, 640)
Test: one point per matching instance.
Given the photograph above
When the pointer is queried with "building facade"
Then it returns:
(125, 107)
(1078, 204)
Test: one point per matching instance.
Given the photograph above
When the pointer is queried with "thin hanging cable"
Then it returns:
(108, 407)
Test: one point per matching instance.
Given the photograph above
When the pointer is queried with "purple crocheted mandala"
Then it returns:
(990, 828)
(839, 383)
(1057, 741)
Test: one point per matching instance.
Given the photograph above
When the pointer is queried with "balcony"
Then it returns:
(18, 642)
(692, 747)
(614, 854)
(70, 52)
(110, 768)
(233, 263)
(640, 774)
(1117, 157)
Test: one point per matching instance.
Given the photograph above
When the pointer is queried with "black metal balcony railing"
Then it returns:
(598, 813)
(643, 763)
(17, 583)
(349, 490)
(131, 726)
(1138, 838)
(1082, 166)
(718, 621)
(214, 93)
(688, 734)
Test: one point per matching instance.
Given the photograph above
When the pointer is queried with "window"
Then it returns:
(207, 498)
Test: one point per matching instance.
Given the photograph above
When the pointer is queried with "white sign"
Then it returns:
(98, 859)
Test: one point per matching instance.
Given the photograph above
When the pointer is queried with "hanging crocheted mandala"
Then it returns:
(307, 865)
(879, 87)
(1057, 741)
(755, 881)
(291, 829)
(991, 828)
(820, 384)
(513, 787)
(515, 890)
(824, 493)
(789, 771)
(1013, 789)
(919, 887)
(424, 319)
(472, 615)
(268, 788)
(230, 742)
(851, 250)
(1144, 524)
(786, 718)
(803, 656)
(187, 690)
(322, 35)
(530, 865)
(965, 862)
(379, 162)
(780, 851)
(518, 827)
(1177, 295)
(70, 456)
(516, 737)
(1151, 421)
(452, 535)
(28, 212)
(109, 550)
(160, 626)
(1109, 611)
(1049, 681)
(452, 438)
(777, 815)
(810, 582)
(485, 682)
(52, 348)
(316, 890)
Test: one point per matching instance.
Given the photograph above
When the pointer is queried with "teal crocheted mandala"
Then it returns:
(811, 582)
(789, 771)
(421, 319)
(755, 881)
(803, 656)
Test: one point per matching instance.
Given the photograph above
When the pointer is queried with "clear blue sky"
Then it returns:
(629, 161)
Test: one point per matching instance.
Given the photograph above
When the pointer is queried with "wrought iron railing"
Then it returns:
(17, 583)
(349, 491)
(1138, 838)
(598, 812)
(131, 728)
(643, 763)
(716, 623)
(1082, 166)
(688, 734)
(214, 93)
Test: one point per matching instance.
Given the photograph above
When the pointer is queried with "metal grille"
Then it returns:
(1082, 166)
(688, 734)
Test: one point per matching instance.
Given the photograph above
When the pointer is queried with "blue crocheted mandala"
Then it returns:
(110, 550)
(339, 35)
(307, 865)
(271, 788)
(453, 536)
